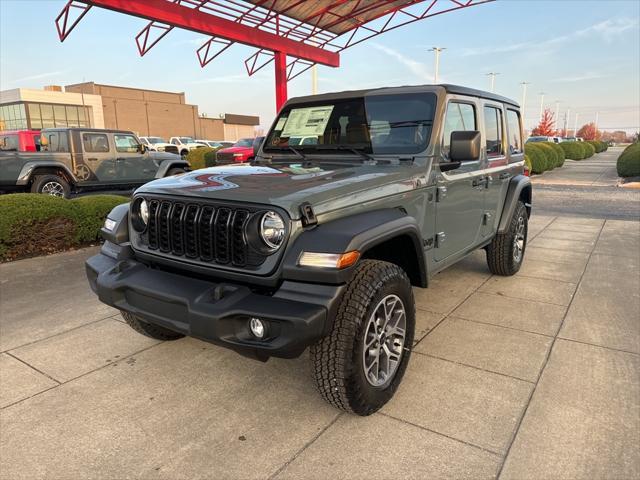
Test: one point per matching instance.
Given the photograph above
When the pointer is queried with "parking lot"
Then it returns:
(533, 376)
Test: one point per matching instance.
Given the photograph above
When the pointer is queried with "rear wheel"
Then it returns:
(184, 154)
(148, 329)
(506, 251)
(53, 185)
(358, 366)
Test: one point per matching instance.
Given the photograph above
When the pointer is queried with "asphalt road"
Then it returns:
(586, 189)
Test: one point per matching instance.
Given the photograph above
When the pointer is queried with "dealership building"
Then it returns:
(145, 112)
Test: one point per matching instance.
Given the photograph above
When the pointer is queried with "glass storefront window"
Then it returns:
(35, 120)
(60, 116)
(72, 116)
(47, 116)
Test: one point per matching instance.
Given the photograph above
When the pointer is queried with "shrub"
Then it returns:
(589, 150)
(196, 157)
(537, 157)
(572, 150)
(599, 146)
(211, 157)
(552, 157)
(559, 153)
(34, 224)
(628, 164)
(527, 162)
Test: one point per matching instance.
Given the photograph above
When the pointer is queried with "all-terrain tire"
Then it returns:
(503, 257)
(50, 184)
(148, 329)
(338, 359)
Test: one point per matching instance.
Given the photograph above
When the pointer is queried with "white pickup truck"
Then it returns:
(185, 145)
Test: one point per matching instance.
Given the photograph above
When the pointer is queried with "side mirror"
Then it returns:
(465, 146)
(142, 148)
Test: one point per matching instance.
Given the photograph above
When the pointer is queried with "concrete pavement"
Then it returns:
(533, 376)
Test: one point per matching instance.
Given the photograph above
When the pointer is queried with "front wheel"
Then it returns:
(506, 251)
(358, 366)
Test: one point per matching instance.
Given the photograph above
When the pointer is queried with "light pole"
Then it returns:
(524, 100)
(575, 127)
(557, 113)
(493, 80)
(314, 79)
(437, 51)
(566, 123)
(541, 104)
(595, 135)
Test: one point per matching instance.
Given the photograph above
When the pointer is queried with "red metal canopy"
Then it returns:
(309, 31)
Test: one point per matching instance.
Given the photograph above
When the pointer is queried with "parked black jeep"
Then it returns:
(318, 244)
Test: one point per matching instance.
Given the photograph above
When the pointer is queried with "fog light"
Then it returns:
(257, 327)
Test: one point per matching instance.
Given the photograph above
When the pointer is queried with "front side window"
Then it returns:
(493, 129)
(95, 142)
(126, 143)
(375, 124)
(244, 142)
(187, 140)
(515, 132)
(54, 141)
(460, 117)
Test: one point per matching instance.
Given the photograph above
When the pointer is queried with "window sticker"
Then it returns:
(307, 121)
(280, 124)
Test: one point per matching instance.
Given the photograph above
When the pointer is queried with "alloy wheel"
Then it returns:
(55, 189)
(384, 341)
(518, 240)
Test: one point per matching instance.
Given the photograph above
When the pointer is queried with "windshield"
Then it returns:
(377, 124)
(187, 140)
(155, 140)
(244, 142)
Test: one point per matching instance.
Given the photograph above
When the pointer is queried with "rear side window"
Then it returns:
(55, 142)
(95, 142)
(9, 143)
(459, 117)
(126, 143)
(515, 131)
(493, 128)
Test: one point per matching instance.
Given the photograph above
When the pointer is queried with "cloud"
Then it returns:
(607, 29)
(39, 76)
(419, 69)
(230, 78)
(580, 78)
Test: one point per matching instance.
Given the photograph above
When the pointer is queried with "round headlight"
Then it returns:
(272, 229)
(144, 212)
(140, 214)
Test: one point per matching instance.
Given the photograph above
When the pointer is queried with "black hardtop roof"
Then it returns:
(454, 89)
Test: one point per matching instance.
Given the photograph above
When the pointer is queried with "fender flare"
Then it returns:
(355, 232)
(519, 187)
(167, 165)
(120, 232)
(26, 173)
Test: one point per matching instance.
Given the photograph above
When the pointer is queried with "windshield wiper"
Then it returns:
(357, 151)
(411, 123)
(301, 155)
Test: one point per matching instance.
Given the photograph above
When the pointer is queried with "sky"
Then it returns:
(583, 54)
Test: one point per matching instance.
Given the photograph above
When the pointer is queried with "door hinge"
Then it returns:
(440, 239)
(428, 243)
(441, 193)
(308, 216)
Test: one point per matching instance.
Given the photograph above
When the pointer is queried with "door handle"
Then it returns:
(120, 159)
(92, 159)
(504, 175)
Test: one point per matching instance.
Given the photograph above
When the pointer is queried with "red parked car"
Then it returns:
(242, 151)
(20, 141)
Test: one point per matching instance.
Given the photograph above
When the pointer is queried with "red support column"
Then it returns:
(281, 79)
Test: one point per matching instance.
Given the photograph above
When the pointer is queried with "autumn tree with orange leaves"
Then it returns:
(546, 127)
(589, 132)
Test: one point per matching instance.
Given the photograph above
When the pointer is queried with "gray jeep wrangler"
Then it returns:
(352, 199)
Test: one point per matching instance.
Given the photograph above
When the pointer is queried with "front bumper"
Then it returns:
(297, 314)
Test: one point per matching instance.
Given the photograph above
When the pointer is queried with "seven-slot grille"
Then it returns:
(209, 233)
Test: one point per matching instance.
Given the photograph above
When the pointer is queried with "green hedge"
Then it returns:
(539, 162)
(527, 162)
(196, 157)
(628, 164)
(589, 150)
(598, 145)
(573, 150)
(33, 224)
(559, 153)
(553, 159)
